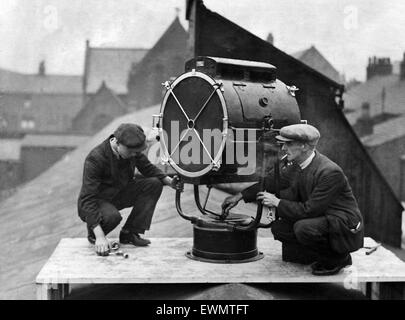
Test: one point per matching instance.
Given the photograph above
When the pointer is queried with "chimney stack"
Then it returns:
(402, 69)
(364, 124)
(379, 67)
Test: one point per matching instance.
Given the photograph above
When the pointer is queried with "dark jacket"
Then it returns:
(321, 189)
(104, 176)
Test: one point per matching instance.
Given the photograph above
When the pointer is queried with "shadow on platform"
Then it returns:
(233, 291)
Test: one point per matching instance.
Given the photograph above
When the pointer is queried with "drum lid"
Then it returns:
(194, 124)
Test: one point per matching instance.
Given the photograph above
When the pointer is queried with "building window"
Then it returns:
(27, 104)
(3, 123)
(27, 124)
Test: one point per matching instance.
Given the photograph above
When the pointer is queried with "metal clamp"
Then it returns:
(292, 89)
(115, 250)
(372, 249)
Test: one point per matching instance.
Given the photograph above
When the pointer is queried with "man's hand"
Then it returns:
(102, 246)
(177, 184)
(268, 199)
(230, 202)
(174, 183)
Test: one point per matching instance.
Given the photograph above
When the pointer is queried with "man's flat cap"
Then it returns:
(131, 135)
(299, 132)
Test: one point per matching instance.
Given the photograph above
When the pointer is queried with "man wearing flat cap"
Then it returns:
(109, 185)
(319, 219)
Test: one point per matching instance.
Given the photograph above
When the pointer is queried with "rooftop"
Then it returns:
(15, 82)
(385, 131)
(314, 59)
(371, 91)
(10, 149)
(56, 140)
(111, 65)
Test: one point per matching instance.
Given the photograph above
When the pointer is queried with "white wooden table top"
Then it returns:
(164, 261)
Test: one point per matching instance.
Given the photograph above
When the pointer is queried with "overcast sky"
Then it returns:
(347, 32)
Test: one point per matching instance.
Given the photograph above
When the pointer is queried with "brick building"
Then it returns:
(120, 80)
(111, 66)
(33, 104)
(38, 103)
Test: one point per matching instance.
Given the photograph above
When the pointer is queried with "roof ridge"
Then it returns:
(119, 48)
(18, 73)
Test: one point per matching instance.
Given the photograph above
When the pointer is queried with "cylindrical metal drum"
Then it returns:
(213, 115)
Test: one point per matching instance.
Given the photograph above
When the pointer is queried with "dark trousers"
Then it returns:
(311, 235)
(142, 195)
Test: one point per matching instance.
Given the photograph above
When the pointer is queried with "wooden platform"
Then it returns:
(74, 261)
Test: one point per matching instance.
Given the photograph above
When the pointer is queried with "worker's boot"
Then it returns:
(297, 253)
(328, 268)
(127, 237)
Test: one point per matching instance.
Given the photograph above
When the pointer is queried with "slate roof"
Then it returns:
(10, 149)
(103, 89)
(385, 132)
(314, 59)
(111, 65)
(371, 92)
(15, 82)
(55, 140)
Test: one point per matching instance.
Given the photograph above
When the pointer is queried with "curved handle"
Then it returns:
(198, 203)
(255, 223)
(180, 211)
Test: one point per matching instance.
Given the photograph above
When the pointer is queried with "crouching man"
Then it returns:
(109, 185)
(319, 219)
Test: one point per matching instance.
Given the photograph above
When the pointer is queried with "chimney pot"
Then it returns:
(270, 38)
(41, 68)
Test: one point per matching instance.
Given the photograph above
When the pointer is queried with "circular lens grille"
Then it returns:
(194, 122)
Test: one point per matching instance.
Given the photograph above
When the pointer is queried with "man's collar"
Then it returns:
(306, 162)
(117, 155)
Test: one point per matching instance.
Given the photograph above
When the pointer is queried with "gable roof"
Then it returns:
(371, 92)
(111, 65)
(385, 131)
(173, 36)
(103, 89)
(15, 82)
(313, 58)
